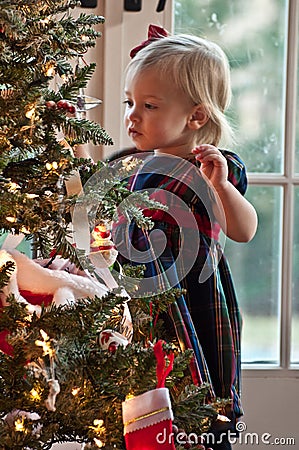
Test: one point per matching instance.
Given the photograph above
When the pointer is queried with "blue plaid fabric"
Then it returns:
(207, 319)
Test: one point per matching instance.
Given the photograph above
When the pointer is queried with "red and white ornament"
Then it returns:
(110, 340)
(102, 244)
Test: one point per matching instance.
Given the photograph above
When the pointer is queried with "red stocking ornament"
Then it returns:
(148, 417)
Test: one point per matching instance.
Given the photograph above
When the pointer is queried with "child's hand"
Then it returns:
(213, 164)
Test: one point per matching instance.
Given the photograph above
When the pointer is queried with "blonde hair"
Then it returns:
(200, 69)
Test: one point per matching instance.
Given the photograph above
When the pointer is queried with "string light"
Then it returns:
(98, 443)
(129, 396)
(45, 344)
(11, 219)
(19, 424)
(35, 395)
(75, 391)
(98, 426)
(52, 166)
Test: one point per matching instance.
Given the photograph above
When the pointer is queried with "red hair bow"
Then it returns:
(154, 33)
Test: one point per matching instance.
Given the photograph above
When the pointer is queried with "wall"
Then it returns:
(271, 405)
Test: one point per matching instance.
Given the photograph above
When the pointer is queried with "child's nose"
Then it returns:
(133, 114)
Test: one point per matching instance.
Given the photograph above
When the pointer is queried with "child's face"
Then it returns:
(157, 114)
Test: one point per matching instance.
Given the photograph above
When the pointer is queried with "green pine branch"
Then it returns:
(5, 273)
(69, 90)
(84, 130)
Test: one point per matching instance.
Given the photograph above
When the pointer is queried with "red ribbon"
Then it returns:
(154, 33)
(162, 371)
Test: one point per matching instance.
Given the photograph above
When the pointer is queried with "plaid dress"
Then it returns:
(185, 252)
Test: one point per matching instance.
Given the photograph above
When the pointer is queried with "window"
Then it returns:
(295, 284)
(260, 38)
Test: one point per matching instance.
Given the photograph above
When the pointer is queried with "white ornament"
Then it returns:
(54, 391)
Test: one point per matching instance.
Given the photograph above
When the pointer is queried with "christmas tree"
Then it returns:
(70, 356)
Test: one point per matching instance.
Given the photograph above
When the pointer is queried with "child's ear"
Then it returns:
(198, 117)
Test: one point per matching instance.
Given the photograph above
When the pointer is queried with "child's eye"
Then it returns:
(150, 106)
(128, 103)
